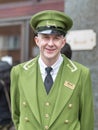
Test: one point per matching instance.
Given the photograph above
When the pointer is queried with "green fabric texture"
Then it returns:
(43, 98)
(73, 109)
(51, 18)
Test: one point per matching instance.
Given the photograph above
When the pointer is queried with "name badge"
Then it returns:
(69, 85)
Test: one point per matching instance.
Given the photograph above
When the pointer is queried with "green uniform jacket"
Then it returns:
(74, 104)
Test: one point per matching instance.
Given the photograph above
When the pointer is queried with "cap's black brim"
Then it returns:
(50, 30)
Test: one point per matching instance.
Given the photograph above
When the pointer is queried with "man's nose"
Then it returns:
(51, 42)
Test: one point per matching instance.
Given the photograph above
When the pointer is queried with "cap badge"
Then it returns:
(49, 23)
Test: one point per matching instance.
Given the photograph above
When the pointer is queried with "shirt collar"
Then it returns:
(55, 66)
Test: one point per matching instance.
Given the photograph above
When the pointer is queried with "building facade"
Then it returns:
(16, 35)
(84, 15)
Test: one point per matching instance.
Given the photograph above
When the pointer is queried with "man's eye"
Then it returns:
(57, 38)
(46, 37)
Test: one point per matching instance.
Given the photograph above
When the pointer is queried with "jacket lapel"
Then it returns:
(67, 85)
(29, 79)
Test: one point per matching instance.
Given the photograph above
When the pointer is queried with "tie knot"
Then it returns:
(48, 70)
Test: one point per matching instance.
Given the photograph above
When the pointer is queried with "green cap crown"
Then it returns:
(44, 20)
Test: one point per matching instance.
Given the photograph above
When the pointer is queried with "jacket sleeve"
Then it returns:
(86, 103)
(14, 90)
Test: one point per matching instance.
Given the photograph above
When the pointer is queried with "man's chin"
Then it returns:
(49, 56)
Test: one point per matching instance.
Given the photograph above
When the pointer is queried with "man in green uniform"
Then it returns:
(51, 92)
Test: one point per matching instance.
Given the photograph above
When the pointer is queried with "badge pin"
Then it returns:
(69, 85)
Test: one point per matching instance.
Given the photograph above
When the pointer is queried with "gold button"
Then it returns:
(46, 127)
(26, 119)
(66, 121)
(46, 115)
(70, 105)
(47, 103)
(24, 103)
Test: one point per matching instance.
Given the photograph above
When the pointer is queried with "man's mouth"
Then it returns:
(50, 50)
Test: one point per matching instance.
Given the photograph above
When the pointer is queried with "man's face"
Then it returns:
(50, 45)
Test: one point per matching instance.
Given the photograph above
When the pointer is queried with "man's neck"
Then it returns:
(50, 62)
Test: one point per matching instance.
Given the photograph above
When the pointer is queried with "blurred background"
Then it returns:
(16, 36)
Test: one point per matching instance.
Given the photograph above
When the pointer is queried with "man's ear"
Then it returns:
(63, 42)
(36, 39)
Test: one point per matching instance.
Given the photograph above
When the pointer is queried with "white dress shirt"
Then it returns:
(55, 67)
